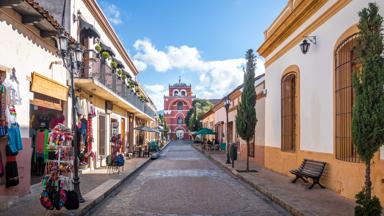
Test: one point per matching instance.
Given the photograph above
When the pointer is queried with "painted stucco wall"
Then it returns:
(26, 52)
(316, 83)
(220, 115)
(316, 95)
(259, 129)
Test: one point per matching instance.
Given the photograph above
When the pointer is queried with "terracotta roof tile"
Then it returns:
(48, 17)
(44, 13)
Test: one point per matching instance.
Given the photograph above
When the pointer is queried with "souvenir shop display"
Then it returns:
(9, 128)
(57, 182)
(85, 113)
(42, 121)
(115, 160)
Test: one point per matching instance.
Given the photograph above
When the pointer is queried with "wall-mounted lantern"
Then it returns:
(304, 46)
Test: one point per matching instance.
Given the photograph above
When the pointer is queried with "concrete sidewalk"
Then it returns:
(94, 185)
(296, 198)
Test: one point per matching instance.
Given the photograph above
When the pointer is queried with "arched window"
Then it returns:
(288, 112)
(182, 92)
(179, 105)
(345, 63)
(176, 93)
(180, 120)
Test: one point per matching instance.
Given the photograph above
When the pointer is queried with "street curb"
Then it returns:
(86, 208)
(291, 209)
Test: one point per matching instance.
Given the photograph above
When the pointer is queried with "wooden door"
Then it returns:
(230, 132)
(101, 134)
(123, 135)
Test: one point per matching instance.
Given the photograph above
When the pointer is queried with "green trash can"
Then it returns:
(233, 152)
(223, 146)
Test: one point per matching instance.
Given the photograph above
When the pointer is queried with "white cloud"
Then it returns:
(139, 65)
(156, 93)
(216, 77)
(112, 12)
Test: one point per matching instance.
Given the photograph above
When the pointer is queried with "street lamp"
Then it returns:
(72, 60)
(227, 103)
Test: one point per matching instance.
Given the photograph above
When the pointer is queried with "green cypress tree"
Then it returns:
(368, 108)
(246, 113)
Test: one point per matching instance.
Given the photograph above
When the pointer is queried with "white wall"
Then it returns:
(79, 5)
(316, 82)
(21, 50)
(260, 114)
(220, 115)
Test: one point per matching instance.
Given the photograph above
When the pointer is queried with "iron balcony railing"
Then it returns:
(100, 71)
(149, 111)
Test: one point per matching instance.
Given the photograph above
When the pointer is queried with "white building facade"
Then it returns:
(316, 124)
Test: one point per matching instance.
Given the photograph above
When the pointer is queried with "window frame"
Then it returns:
(294, 103)
(178, 105)
(344, 149)
(181, 122)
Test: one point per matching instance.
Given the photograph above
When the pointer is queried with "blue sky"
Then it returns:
(203, 41)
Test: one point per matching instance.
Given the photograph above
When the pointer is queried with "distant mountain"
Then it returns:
(213, 101)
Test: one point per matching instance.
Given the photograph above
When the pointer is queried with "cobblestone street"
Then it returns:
(184, 182)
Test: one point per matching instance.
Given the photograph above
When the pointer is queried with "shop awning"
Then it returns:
(107, 48)
(46, 86)
(146, 129)
(88, 30)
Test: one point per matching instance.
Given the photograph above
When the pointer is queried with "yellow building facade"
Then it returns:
(308, 109)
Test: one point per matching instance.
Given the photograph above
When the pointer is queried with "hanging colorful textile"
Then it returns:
(3, 107)
(58, 180)
(15, 143)
(89, 137)
(40, 143)
(11, 172)
(46, 143)
(1, 165)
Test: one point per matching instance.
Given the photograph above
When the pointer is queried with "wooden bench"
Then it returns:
(309, 169)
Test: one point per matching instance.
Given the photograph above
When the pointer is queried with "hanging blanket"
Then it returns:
(14, 139)
(40, 144)
(11, 173)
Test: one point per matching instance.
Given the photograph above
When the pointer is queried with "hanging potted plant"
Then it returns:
(98, 50)
(105, 54)
(119, 73)
(123, 77)
(113, 65)
(98, 47)
(126, 82)
(131, 85)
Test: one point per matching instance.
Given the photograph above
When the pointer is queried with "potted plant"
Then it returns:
(113, 64)
(119, 73)
(130, 84)
(105, 54)
(98, 47)
(123, 77)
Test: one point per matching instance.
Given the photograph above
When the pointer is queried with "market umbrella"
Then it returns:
(146, 129)
(205, 131)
